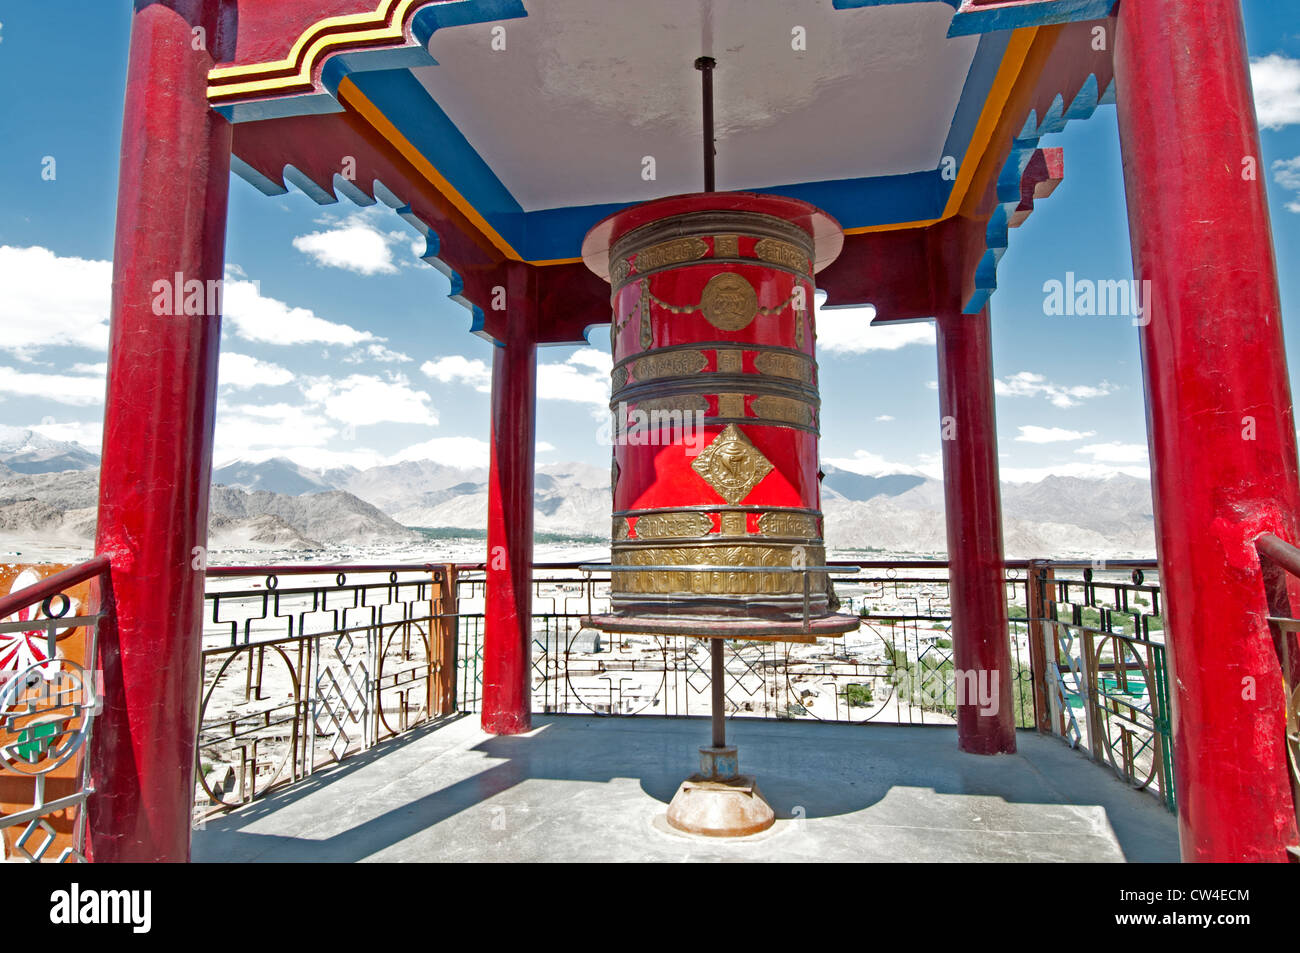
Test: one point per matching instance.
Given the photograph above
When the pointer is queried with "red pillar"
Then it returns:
(507, 630)
(157, 455)
(1219, 416)
(973, 502)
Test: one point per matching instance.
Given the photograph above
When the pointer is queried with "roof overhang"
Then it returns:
(521, 125)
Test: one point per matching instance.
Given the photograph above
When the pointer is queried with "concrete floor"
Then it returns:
(596, 789)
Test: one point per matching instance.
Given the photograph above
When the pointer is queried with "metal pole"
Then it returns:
(719, 695)
(705, 65)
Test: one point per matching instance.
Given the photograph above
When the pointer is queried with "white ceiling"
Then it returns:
(583, 91)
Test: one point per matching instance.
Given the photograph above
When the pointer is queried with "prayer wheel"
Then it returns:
(717, 524)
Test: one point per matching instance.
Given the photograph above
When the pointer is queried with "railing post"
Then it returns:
(1038, 583)
(442, 678)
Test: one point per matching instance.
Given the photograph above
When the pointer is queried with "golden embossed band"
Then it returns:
(667, 525)
(776, 252)
(671, 253)
(785, 410)
(669, 364)
(794, 367)
(778, 523)
(712, 582)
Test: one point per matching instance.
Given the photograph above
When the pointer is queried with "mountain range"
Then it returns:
(49, 488)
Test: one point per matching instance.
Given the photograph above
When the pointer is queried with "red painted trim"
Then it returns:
(1221, 426)
(52, 585)
(508, 621)
(973, 504)
(157, 456)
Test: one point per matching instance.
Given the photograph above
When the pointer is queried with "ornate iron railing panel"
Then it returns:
(298, 676)
(1105, 672)
(307, 673)
(49, 697)
(897, 667)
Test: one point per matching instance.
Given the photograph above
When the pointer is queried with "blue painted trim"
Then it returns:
(974, 94)
(254, 178)
(281, 107)
(996, 235)
(548, 234)
(857, 4)
(878, 200)
(1043, 13)
(408, 106)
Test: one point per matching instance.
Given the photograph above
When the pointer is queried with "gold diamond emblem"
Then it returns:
(732, 465)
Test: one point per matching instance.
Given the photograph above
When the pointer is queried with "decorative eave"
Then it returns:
(1058, 76)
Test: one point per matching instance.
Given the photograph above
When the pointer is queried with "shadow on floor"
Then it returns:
(806, 770)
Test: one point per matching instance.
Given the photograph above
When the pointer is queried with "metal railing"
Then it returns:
(305, 666)
(48, 701)
(897, 667)
(1097, 635)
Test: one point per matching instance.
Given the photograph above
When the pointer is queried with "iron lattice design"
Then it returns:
(299, 678)
(1106, 685)
(897, 667)
(48, 705)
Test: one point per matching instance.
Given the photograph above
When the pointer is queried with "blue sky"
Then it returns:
(348, 350)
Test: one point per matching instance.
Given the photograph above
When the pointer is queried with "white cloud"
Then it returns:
(242, 372)
(317, 458)
(100, 369)
(583, 379)
(591, 357)
(884, 418)
(457, 369)
(354, 244)
(60, 388)
(1286, 173)
(1029, 384)
(1033, 434)
(464, 451)
(361, 399)
(377, 352)
(244, 429)
(89, 434)
(50, 301)
(1084, 471)
(255, 317)
(1276, 79)
(1115, 452)
(849, 331)
(873, 464)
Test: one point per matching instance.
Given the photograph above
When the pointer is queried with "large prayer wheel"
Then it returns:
(717, 514)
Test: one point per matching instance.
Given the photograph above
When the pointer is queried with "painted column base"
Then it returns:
(720, 801)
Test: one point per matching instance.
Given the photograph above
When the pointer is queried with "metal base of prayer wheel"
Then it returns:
(719, 801)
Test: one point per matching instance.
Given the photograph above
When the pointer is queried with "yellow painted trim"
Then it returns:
(386, 23)
(1013, 62)
(354, 98)
(891, 226)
